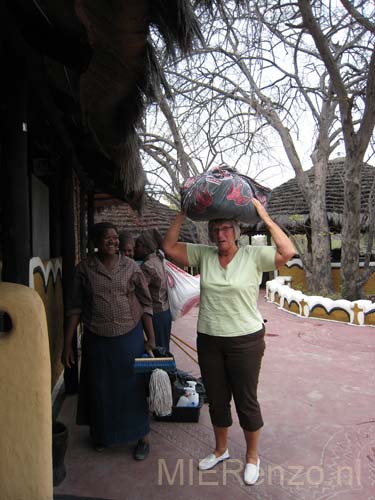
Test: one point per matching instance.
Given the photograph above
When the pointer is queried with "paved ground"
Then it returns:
(317, 391)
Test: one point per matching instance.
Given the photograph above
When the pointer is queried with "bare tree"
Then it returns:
(351, 67)
(282, 67)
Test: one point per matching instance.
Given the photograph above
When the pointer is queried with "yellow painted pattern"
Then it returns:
(46, 280)
(51, 295)
(336, 315)
(293, 307)
(370, 319)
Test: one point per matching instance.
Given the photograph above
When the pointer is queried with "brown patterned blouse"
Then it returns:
(112, 302)
(153, 269)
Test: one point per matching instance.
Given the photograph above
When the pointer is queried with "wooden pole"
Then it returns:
(56, 215)
(82, 225)
(90, 217)
(90, 209)
(69, 258)
(16, 248)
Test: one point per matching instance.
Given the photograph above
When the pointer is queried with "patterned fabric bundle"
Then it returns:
(222, 193)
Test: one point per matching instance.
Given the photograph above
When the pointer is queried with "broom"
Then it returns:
(149, 363)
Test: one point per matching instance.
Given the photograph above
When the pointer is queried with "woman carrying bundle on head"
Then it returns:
(230, 338)
(111, 298)
(147, 247)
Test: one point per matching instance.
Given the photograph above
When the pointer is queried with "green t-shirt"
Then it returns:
(228, 302)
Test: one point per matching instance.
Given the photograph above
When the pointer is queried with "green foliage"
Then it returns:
(298, 218)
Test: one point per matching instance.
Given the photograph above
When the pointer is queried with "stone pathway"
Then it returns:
(317, 390)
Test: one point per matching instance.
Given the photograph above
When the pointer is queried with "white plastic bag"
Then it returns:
(183, 290)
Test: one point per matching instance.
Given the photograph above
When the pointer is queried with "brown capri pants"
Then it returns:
(230, 366)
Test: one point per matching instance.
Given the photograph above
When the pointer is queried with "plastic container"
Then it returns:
(190, 398)
(182, 414)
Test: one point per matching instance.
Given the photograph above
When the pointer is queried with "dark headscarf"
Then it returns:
(125, 237)
(151, 239)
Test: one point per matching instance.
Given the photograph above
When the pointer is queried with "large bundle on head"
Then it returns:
(222, 193)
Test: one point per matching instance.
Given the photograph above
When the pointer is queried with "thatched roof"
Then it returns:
(95, 71)
(288, 208)
(154, 215)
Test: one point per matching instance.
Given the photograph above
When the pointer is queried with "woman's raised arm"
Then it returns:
(174, 249)
(284, 247)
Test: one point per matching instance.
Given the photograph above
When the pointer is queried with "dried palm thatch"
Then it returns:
(106, 45)
(124, 73)
(288, 208)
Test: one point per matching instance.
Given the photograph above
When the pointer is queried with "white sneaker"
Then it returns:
(211, 460)
(251, 473)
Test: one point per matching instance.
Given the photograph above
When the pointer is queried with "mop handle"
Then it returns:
(183, 342)
(182, 349)
(149, 351)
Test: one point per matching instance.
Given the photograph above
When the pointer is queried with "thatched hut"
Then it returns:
(289, 209)
(155, 215)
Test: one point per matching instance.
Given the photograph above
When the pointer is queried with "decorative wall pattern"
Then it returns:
(358, 313)
(46, 279)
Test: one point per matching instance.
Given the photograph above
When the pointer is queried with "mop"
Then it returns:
(160, 399)
(160, 390)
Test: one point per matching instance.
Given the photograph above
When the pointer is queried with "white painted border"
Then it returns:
(336, 265)
(288, 294)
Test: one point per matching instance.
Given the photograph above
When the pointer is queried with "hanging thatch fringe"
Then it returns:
(124, 74)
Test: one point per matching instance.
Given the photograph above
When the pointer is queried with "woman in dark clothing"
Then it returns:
(110, 297)
(147, 249)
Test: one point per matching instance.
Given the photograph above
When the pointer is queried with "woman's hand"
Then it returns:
(149, 331)
(262, 212)
(67, 357)
(149, 346)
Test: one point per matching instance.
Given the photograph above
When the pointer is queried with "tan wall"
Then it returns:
(297, 274)
(299, 280)
(25, 395)
(368, 289)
